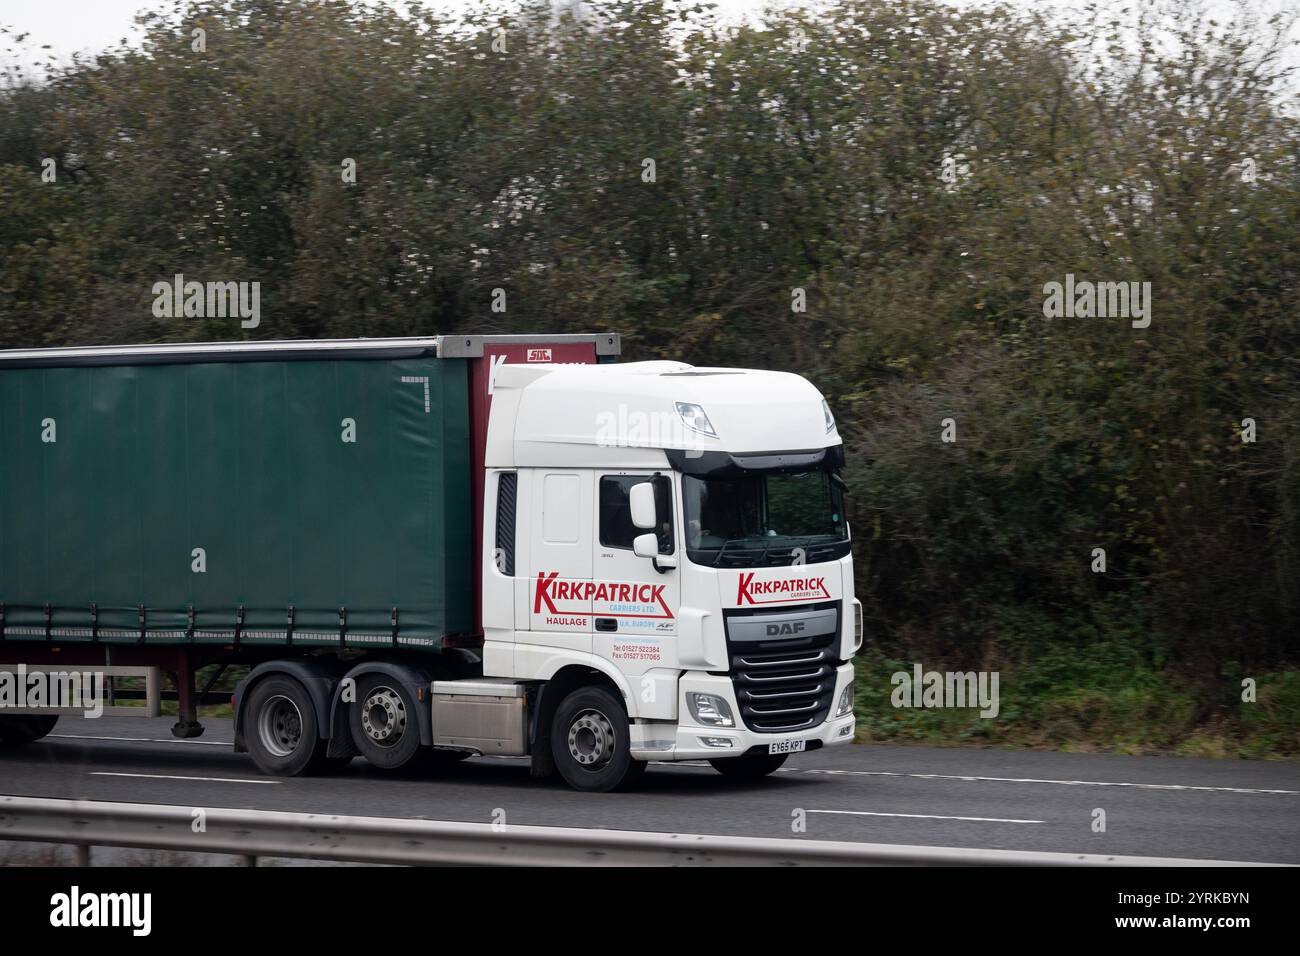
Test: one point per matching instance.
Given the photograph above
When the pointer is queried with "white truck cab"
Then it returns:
(678, 535)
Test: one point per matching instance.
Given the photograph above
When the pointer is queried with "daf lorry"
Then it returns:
(433, 548)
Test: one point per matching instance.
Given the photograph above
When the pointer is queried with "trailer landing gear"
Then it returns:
(187, 724)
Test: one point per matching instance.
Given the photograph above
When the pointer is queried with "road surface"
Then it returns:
(993, 799)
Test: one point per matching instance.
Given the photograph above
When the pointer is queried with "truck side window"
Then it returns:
(616, 528)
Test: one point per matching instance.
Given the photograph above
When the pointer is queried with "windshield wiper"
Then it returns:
(758, 563)
(722, 550)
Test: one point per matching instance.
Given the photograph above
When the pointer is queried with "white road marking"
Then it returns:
(846, 773)
(168, 776)
(144, 740)
(1062, 783)
(923, 816)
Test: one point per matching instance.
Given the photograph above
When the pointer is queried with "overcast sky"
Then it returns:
(91, 25)
(69, 26)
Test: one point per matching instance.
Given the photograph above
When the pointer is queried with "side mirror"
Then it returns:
(641, 500)
(647, 546)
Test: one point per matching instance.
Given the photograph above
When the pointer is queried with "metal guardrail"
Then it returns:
(250, 834)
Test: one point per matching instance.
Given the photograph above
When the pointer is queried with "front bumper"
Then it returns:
(687, 739)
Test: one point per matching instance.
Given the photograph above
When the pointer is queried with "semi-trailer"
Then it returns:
(432, 548)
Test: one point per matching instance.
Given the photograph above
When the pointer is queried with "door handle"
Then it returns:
(606, 624)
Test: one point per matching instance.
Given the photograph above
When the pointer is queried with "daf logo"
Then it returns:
(779, 630)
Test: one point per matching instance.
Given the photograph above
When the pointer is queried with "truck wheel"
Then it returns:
(384, 724)
(749, 767)
(16, 731)
(590, 742)
(282, 735)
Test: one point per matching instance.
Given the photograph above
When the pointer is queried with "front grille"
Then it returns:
(786, 684)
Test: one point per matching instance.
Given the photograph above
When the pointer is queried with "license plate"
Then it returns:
(787, 747)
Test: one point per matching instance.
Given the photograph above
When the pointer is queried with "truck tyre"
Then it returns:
(591, 743)
(16, 731)
(750, 766)
(280, 728)
(384, 724)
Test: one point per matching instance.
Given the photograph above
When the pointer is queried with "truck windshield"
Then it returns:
(765, 518)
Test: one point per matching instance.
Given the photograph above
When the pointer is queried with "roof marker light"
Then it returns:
(693, 417)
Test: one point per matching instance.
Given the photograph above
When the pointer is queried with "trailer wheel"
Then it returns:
(282, 735)
(750, 766)
(384, 723)
(591, 743)
(16, 731)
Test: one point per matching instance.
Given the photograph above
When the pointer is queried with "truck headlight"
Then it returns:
(710, 709)
(845, 706)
